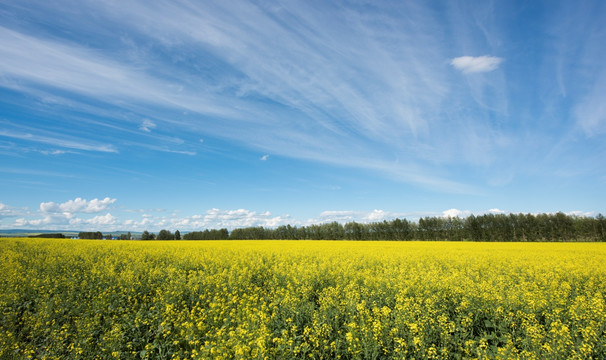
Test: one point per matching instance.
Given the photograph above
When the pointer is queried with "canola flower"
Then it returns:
(77, 299)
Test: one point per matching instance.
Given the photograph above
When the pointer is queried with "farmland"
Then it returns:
(80, 299)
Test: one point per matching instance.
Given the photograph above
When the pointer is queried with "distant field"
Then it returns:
(78, 299)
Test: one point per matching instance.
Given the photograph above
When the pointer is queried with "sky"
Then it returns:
(148, 115)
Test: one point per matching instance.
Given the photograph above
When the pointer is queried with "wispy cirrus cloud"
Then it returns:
(319, 107)
(60, 141)
(31, 61)
(375, 91)
(590, 112)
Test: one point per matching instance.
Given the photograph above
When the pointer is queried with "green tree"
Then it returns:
(165, 235)
(177, 235)
(147, 236)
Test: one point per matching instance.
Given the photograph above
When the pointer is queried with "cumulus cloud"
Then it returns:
(264, 157)
(48, 221)
(456, 213)
(471, 64)
(465, 213)
(78, 205)
(107, 219)
(65, 215)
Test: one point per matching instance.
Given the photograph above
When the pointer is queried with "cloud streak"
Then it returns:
(59, 141)
(320, 107)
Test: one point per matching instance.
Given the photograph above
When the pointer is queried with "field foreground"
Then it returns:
(77, 299)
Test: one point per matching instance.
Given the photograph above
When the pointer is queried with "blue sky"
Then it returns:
(196, 114)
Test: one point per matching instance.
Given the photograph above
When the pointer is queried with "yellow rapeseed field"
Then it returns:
(79, 299)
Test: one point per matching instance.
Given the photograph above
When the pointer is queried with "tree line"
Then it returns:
(488, 227)
(162, 235)
(99, 235)
(49, 236)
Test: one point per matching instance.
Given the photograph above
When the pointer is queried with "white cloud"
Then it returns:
(20, 222)
(470, 64)
(264, 157)
(466, 213)
(65, 215)
(49, 221)
(211, 219)
(242, 218)
(147, 125)
(77, 205)
(456, 213)
(376, 215)
(107, 219)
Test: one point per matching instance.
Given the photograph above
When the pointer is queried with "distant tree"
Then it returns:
(90, 235)
(50, 236)
(165, 235)
(353, 231)
(147, 236)
(600, 232)
(250, 233)
(129, 236)
(177, 235)
(109, 237)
